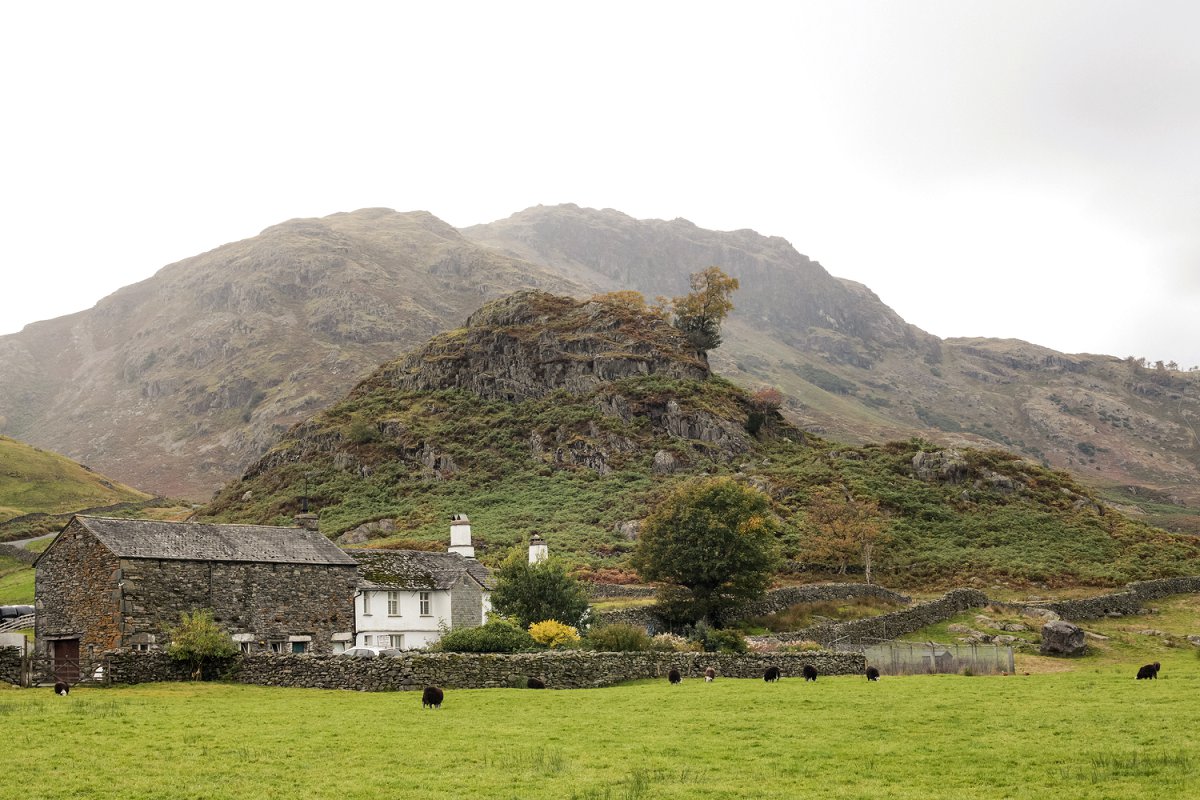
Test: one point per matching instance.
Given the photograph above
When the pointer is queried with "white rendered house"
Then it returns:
(406, 597)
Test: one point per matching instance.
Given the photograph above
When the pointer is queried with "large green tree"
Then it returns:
(711, 543)
(700, 314)
(200, 642)
(532, 593)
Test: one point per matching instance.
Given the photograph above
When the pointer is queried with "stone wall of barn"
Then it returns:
(76, 592)
(272, 602)
(570, 670)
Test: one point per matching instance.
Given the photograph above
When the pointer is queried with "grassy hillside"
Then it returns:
(38, 481)
(1088, 735)
(580, 464)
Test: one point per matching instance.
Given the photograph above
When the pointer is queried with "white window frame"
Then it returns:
(366, 604)
(393, 600)
(396, 641)
(426, 604)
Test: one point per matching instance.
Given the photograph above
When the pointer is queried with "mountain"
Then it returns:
(857, 372)
(177, 382)
(37, 482)
(573, 418)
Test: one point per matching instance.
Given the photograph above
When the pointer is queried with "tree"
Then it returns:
(765, 401)
(712, 543)
(843, 529)
(200, 642)
(700, 314)
(532, 593)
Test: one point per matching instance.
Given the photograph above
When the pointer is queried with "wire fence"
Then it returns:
(919, 658)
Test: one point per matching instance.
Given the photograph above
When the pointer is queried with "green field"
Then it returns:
(1087, 734)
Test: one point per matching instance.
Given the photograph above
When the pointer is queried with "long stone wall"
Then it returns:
(19, 553)
(778, 600)
(569, 670)
(773, 602)
(889, 626)
(1127, 601)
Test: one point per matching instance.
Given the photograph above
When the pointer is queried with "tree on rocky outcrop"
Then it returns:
(700, 314)
(711, 544)
(763, 402)
(843, 530)
(200, 642)
(530, 593)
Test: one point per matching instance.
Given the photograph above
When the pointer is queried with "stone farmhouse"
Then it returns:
(407, 597)
(107, 584)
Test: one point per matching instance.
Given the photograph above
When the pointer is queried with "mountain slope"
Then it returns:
(857, 372)
(176, 382)
(34, 481)
(573, 418)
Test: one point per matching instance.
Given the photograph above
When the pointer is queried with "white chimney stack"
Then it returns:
(460, 536)
(538, 551)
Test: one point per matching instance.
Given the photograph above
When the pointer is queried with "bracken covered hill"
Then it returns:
(572, 418)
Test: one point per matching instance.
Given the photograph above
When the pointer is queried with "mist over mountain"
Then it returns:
(176, 383)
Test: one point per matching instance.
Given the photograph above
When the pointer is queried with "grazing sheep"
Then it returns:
(872, 674)
(674, 677)
(771, 675)
(432, 697)
(1149, 671)
(534, 683)
(810, 672)
(709, 674)
(61, 688)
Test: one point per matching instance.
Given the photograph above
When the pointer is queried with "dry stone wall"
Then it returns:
(570, 670)
(889, 626)
(10, 665)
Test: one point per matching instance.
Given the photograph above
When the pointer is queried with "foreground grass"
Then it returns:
(1096, 734)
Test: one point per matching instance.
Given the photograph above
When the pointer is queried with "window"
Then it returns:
(366, 604)
(246, 647)
(301, 647)
(279, 647)
(396, 641)
(393, 604)
(137, 648)
(425, 603)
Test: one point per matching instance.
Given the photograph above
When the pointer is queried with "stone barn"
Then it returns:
(109, 584)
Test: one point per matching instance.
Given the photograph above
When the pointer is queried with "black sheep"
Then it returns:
(771, 675)
(432, 697)
(1149, 671)
(674, 677)
(872, 674)
(534, 683)
(709, 674)
(61, 688)
(810, 672)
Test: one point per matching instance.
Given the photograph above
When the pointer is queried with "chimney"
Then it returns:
(460, 536)
(538, 551)
(306, 520)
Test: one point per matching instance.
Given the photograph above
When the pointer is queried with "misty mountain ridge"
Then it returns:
(176, 383)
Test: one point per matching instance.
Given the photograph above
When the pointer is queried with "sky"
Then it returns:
(1006, 169)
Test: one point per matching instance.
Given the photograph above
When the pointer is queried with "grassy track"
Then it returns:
(1088, 734)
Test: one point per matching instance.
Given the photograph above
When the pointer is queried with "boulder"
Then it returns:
(944, 466)
(1061, 638)
(664, 463)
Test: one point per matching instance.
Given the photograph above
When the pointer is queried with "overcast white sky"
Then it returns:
(1008, 169)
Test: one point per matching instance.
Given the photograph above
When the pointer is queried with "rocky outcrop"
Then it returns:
(943, 466)
(531, 344)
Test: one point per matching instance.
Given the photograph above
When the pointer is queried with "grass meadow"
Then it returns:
(1092, 733)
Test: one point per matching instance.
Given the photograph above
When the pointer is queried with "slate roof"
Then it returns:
(416, 569)
(193, 541)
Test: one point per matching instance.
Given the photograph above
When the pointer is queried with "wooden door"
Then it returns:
(66, 659)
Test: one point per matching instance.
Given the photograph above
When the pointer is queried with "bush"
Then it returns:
(552, 634)
(724, 641)
(200, 642)
(671, 643)
(620, 637)
(494, 636)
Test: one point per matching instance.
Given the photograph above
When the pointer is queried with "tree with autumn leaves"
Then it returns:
(700, 314)
(843, 530)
